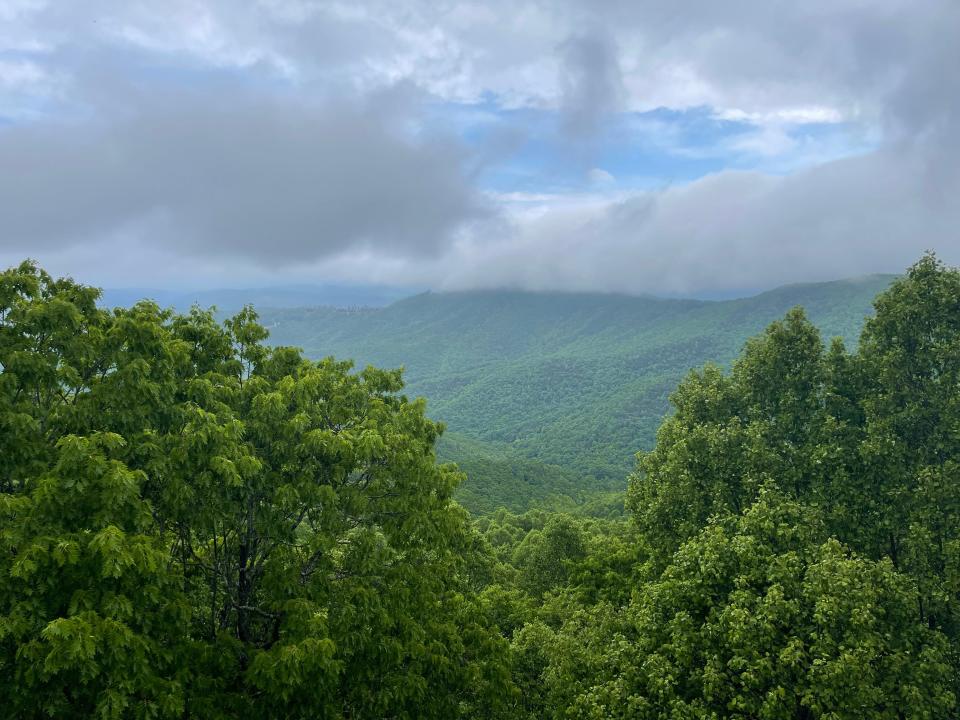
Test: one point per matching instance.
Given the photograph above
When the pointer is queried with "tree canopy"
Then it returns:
(792, 546)
(196, 524)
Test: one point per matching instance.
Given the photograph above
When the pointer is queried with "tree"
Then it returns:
(910, 353)
(222, 529)
(758, 616)
(861, 450)
(869, 437)
(92, 619)
(732, 433)
(545, 556)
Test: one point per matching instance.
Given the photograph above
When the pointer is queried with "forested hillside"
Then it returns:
(195, 524)
(550, 394)
(230, 300)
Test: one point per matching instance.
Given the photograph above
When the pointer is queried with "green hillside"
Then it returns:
(550, 393)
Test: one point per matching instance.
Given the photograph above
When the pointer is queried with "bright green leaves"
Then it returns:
(90, 611)
(194, 523)
(911, 447)
(119, 554)
(50, 333)
(849, 433)
(248, 336)
(729, 435)
(869, 648)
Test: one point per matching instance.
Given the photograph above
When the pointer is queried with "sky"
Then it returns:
(679, 148)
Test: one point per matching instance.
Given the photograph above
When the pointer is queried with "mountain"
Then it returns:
(550, 394)
(289, 296)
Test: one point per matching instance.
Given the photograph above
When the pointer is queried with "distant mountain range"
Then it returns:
(290, 296)
(548, 394)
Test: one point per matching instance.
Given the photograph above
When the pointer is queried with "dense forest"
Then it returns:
(545, 393)
(196, 524)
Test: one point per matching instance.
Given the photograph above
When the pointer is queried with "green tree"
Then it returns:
(545, 556)
(197, 524)
(910, 353)
(92, 618)
(869, 437)
(758, 616)
(732, 433)
(799, 520)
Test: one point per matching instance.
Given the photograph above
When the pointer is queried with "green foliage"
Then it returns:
(730, 434)
(496, 479)
(544, 557)
(757, 616)
(793, 547)
(194, 524)
(870, 438)
(548, 393)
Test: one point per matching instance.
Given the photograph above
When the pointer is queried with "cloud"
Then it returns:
(303, 138)
(599, 176)
(725, 232)
(591, 85)
(826, 54)
(274, 181)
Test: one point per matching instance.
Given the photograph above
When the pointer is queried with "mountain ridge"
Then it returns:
(576, 382)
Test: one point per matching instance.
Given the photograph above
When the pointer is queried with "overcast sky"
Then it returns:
(690, 147)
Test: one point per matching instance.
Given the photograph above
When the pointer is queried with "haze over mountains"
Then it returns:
(232, 299)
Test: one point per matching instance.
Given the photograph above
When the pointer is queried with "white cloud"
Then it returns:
(768, 141)
(273, 132)
(787, 115)
(20, 73)
(599, 176)
(819, 61)
(732, 230)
